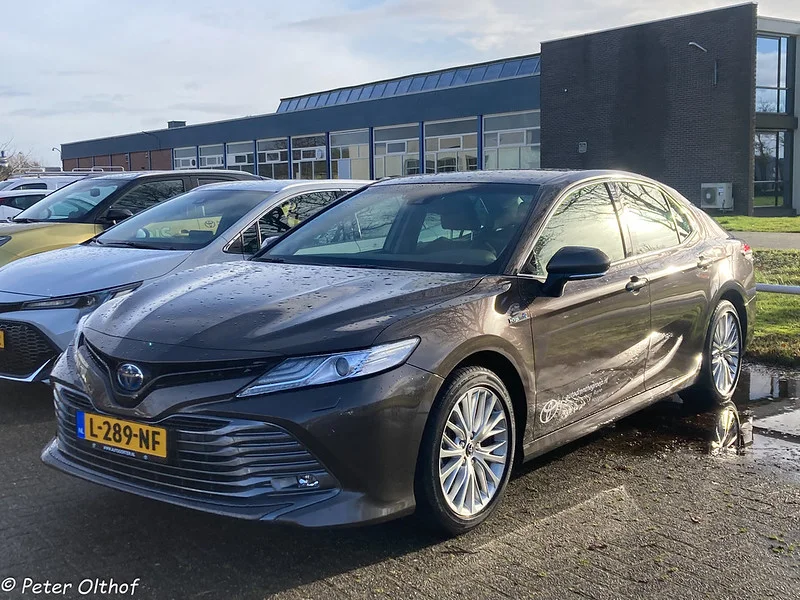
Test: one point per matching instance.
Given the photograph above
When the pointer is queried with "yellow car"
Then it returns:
(81, 210)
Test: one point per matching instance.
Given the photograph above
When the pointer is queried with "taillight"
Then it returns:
(747, 251)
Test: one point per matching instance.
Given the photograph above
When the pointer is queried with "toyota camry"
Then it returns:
(404, 348)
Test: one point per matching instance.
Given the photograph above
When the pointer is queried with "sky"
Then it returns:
(80, 69)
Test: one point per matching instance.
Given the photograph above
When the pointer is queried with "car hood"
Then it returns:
(266, 309)
(81, 269)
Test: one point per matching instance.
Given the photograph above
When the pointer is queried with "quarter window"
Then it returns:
(25, 202)
(584, 218)
(149, 194)
(682, 220)
(32, 186)
(648, 217)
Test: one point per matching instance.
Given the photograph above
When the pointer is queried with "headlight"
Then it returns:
(308, 371)
(94, 299)
(4, 239)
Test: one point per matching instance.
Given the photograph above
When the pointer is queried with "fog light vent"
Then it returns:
(307, 481)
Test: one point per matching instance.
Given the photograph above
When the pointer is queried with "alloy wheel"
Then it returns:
(725, 353)
(473, 454)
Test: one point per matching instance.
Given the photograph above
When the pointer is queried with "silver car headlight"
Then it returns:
(307, 371)
(92, 300)
(4, 239)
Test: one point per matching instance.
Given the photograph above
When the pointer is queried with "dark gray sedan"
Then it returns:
(401, 349)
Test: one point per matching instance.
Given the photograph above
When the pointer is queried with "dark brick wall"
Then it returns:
(102, 161)
(139, 161)
(69, 163)
(644, 101)
(85, 162)
(161, 159)
(120, 160)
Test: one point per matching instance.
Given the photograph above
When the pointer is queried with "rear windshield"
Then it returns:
(188, 222)
(452, 227)
(72, 202)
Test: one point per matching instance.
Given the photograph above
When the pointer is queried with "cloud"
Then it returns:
(9, 92)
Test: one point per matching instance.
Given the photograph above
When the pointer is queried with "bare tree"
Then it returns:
(14, 160)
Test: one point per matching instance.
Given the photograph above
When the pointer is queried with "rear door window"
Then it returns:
(39, 185)
(683, 222)
(25, 202)
(648, 217)
(148, 194)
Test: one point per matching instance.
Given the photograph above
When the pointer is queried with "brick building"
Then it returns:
(706, 98)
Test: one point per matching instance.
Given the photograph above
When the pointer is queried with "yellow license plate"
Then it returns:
(2, 339)
(122, 437)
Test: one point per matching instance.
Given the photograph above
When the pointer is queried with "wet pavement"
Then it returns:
(669, 503)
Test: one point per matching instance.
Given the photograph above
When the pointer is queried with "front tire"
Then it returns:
(467, 451)
(722, 358)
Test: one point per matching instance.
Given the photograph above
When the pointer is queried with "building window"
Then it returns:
(451, 146)
(772, 76)
(350, 154)
(184, 158)
(772, 169)
(512, 141)
(273, 158)
(309, 157)
(240, 156)
(396, 151)
(211, 157)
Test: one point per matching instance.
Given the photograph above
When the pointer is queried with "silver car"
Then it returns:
(43, 297)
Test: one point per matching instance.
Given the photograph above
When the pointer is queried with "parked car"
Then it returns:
(14, 202)
(43, 297)
(43, 180)
(400, 349)
(85, 208)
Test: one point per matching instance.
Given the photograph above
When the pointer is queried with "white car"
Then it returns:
(15, 201)
(39, 181)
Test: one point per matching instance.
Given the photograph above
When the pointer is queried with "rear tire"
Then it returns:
(467, 451)
(722, 359)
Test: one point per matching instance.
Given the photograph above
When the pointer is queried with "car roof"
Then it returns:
(559, 177)
(277, 185)
(137, 174)
(7, 193)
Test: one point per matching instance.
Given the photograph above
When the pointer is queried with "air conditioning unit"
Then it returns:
(718, 196)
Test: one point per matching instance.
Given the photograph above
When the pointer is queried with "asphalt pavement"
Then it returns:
(778, 241)
(638, 510)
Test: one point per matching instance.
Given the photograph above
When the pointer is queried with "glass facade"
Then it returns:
(273, 158)
(350, 154)
(481, 73)
(184, 158)
(773, 76)
(211, 157)
(310, 157)
(240, 156)
(396, 151)
(451, 146)
(512, 141)
(773, 165)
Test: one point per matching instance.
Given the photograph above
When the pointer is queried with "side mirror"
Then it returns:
(268, 241)
(574, 263)
(114, 216)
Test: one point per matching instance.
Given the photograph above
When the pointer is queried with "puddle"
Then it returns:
(773, 398)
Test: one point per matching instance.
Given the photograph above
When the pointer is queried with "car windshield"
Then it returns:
(73, 202)
(188, 222)
(450, 227)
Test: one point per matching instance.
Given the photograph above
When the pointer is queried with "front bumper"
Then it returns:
(34, 340)
(359, 439)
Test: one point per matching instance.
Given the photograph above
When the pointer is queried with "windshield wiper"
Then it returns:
(25, 220)
(270, 259)
(136, 245)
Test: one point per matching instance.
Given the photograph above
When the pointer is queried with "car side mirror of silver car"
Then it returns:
(268, 241)
(574, 263)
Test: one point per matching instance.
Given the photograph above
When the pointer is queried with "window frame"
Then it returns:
(122, 192)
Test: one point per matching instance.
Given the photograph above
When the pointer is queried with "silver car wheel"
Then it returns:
(473, 452)
(726, 349)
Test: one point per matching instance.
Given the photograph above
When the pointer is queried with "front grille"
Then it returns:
(165, 375)
(218, 459)
(26, 349)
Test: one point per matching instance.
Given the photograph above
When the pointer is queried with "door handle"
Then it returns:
(703, 262)
(636, 284)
